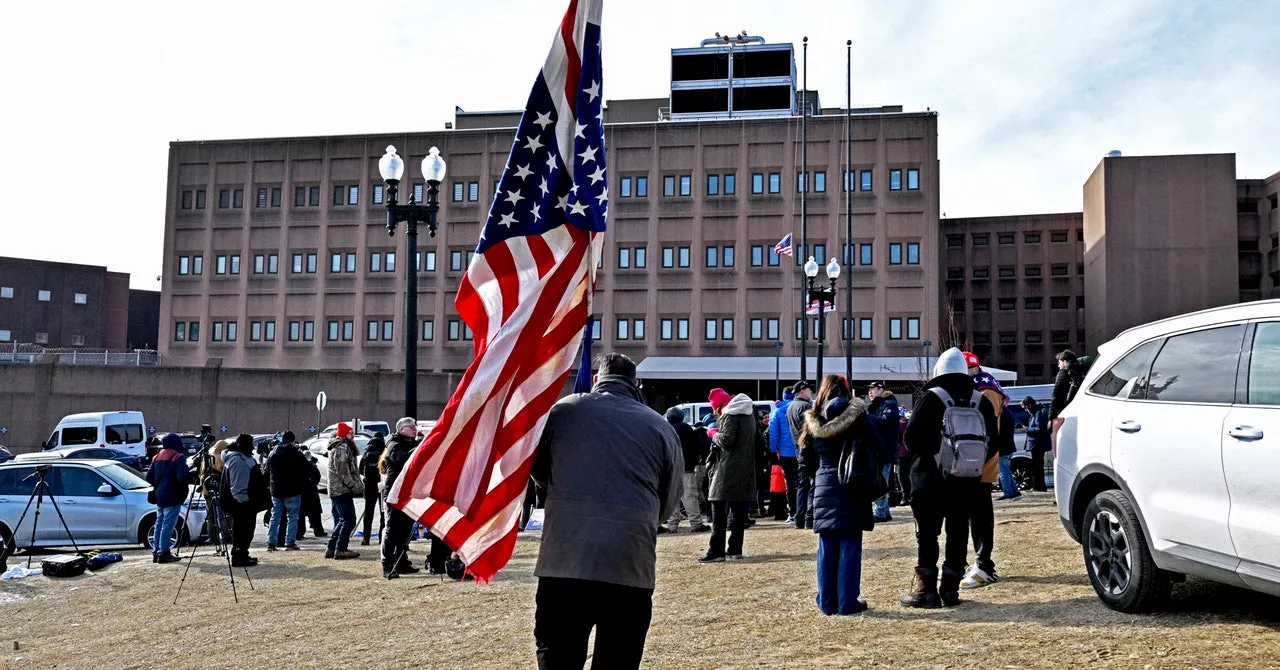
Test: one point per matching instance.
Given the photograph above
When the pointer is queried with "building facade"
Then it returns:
(62, 304)
(277, 254)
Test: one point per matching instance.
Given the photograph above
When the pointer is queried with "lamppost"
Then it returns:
(927, 369)
(822, 296)
(777, 371)
(391, 166)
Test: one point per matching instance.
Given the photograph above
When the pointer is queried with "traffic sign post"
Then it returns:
(322, 401)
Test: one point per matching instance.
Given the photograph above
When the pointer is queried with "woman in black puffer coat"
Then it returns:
(840, 513)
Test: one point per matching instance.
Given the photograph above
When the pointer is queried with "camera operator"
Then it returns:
(209, 474)
(237, 504)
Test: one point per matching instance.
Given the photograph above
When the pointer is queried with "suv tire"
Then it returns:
(147, 533)
(1117, 558)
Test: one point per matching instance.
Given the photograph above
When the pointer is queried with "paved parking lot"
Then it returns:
(306, 611)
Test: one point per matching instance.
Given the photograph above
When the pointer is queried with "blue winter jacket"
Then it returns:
(780, 440)
(169, 475)
(883, 413)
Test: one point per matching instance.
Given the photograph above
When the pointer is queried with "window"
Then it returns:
(1059, 271)
(1032, 271)
(773, 257)
(624, 329)
(1059, 302)
(712, 329)
(184, 267)
(259, 264)
(1058, 236)
(955, 273)
(389, 261)
(757, 255)
(1009, 304)
(913, 328)
(308, 331)
(668, 186)
(866, 329)
(865, 254)
(459, 191)
(348, 331)
(473, 191)
(982, 337)
(682, 329)
(981, 240)
(1005, 239)
(233, 331)
(981, 273)
(730, 184)
(683, 257)
(895, 329)
(217, 331)
(624, 258)
(1080, 269)
(757, 329)
(186, 199)
(640, 257)
(726, 329)
(666, 331)
(255, 331)
(955, 241)
(339, 195)
(624, 187)
(224, 198)
(913, 179)
(235, 264)
(1031, 238)
(726, 256)
(819, 254)
(335, 262)
(7, 291)
(388, 329)
(686, 185)
(455, 330)
(44, 296)
(430, 265)
(335, 331)
(1060, 336)
(1035, 337)
(1264, 366)
(237, 198)
(668, 257)
(895, 180)
(455, 261)
(375, 262)
(200, 199)
(81, 298)
(819, 182)
(300, 196)
(982, 304)
(637, 329)
(775, 182)
(1197, 367)
(295, 331)
(895, 253)
(179, 332)
(642, 187)
(757, 183)
(275, 196)
(428, 330)
(913, 253)
(865, 181)
(1008, 272)
(771, 329)
(377, 194)
(193, 331)
(1008, 337)
(713, 184)
(417, 193)
(351, 262)
(712, 255)
(269, 328)
(371, 332)
(800, 182)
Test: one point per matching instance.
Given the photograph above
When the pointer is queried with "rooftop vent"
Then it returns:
(1114, 153)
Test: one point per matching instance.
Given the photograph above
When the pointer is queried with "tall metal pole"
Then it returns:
(804, 213)
(777, 370)
(848, 209)
(822, 327)
(411, 321)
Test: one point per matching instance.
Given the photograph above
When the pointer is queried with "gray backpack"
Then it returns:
(963, 453)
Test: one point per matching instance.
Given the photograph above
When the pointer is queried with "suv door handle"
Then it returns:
(1245, 433)
(1128, 426)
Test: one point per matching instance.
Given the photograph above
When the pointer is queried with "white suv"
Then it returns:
(1167, 457)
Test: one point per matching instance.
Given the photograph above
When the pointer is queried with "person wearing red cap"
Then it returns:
(732, 471)
(982, 521)
(345, 483)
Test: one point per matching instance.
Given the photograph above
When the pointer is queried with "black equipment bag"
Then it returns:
(64, 565)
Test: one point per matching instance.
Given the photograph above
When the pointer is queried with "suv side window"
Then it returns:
(12, 484)
(81, 435)
(74, 481)
(1264, 365)
(1198, 367)
(125, 433)
(1127, 379)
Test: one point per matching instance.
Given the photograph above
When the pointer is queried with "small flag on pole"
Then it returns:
(783, 247)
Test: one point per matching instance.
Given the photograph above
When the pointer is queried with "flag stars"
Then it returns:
(514, 197)
(597, 176)
(532, 143)
(545, 188)
(551, 163)
(593, 92)
(588, 155)
(543, 120)
(537, 212)
(508, 220)
(578, 128)
(523, 172)
(603, 197)
(578, 209)
(564, 201)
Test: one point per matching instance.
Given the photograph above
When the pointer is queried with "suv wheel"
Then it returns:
(148, 533)
(1117, 558)
(7, 545)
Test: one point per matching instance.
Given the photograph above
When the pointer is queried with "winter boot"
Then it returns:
(924, 591)
(949, 590)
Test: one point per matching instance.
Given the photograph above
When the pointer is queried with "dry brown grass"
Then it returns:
(308, 612)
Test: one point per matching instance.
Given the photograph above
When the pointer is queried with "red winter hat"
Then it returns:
(344, 430)
(718, 399)
(972, 360)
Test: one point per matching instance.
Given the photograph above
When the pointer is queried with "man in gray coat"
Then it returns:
(732, 470)
(611, 468)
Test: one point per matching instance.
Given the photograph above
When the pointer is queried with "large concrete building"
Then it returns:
(62, 305)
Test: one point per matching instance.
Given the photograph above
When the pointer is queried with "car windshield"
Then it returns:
(124, 476)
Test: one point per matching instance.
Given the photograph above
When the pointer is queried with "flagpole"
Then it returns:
(848, 207)
(804, 214)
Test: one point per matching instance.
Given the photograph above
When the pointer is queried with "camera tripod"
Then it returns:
(215, 527)
(37, 498)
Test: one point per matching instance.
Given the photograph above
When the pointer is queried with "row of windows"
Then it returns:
(1010, 304)
(43, 295)
(270, 196)
(306, 263)
(6, 335)
(1006, 239)
(338, 331)
(1011, 271)
(1033, 337)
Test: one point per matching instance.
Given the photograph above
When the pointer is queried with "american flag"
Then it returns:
(827, 306)
(526, 295)
(783, 247)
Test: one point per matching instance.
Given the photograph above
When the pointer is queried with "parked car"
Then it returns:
(1167, 456)
(1021, 458)
(125, 431)
(5, 454)
(361, 426)
(696, 413)
(319, 447)
(102, 453)
(103, 502)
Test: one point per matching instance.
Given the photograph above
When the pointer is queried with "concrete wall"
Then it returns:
(34, 397)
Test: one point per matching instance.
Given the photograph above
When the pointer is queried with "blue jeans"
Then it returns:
(839, 571)
(344, 516)
(166, 520)
(279, 508)
(882, 505)
(1008, 485)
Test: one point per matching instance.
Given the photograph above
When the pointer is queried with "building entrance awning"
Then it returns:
(760, 368)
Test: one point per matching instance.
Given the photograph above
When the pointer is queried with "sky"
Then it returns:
(1030, 95)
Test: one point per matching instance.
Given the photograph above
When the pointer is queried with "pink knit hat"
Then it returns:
(719, 398)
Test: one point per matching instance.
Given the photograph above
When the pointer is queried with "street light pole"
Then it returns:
(777, 371)
(823, 296)
(927, 369)
(391, 166)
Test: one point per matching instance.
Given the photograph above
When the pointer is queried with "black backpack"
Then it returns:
(861, 468)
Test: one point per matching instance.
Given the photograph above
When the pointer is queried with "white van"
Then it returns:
(124, 431)
(697, 413)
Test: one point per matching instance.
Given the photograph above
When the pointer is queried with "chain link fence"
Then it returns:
(35, 353)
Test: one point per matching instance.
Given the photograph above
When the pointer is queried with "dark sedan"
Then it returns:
(100, 453)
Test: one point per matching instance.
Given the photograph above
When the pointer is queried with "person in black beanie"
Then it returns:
(237, 504)
(372, 478)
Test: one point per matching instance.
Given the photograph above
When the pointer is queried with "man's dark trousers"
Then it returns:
(567, 610)
(789, 464)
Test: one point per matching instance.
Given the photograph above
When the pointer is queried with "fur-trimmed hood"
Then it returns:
(841, 423)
